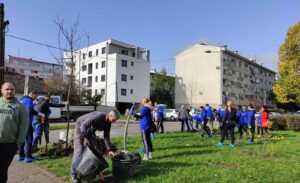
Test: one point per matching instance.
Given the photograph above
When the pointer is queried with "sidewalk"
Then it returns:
(21, 172)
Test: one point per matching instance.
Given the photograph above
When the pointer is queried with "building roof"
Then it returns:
(10, 57)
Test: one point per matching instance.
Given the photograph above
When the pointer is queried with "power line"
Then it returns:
(35, 42)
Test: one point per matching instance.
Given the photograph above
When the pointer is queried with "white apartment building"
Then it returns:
(118, 70)
(214, 74)
(30, 67)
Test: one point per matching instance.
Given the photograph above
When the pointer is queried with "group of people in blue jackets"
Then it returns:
(228, 118)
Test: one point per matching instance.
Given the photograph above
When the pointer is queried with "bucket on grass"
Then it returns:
(90, 164)
(124, 165)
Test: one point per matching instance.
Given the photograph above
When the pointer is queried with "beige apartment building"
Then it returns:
(214, 74)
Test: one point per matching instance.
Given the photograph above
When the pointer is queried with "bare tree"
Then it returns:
(70, 43)
(192, 90)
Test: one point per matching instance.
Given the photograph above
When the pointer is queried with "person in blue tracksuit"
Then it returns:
(210, 121)
(258, 125)
(221, 113)
(145, 126)
(240, 119)
(160, 118)
(245, 119)
(251, 122)
(25, 149)
(204, 120)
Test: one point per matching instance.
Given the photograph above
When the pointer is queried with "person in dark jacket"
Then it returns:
(160, 118)
(84, 134)
(210, 121)
(203, 121)
(183, 116)
(44, 108)
(229, 121)
(25, 149)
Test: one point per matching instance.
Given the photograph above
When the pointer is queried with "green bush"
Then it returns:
(283, 122)
(293, 122)
(278, 122)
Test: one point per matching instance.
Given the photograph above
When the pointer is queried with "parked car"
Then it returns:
(171, 114)
(194, 112)
(275, 113)
(298, 112)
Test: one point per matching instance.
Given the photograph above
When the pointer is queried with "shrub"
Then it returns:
(283, 122)
(278, 122)
(293, 122)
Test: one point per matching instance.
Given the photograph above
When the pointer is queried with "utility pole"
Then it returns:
(3, 24)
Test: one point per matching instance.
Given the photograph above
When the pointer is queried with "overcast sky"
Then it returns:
(256, 28)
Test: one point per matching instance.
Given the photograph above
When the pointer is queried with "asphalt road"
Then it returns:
(118, 129)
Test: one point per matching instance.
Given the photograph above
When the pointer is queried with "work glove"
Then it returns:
(86, 142)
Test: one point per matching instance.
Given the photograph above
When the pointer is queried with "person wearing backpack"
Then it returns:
(44, 108)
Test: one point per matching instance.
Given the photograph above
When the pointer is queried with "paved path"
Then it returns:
(20, 172)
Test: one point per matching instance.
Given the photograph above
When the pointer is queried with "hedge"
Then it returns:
(285, 122)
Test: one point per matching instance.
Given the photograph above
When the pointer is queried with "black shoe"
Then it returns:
(74, 179)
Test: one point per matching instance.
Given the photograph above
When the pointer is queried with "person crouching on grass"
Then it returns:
(145, 126)
(229, 120)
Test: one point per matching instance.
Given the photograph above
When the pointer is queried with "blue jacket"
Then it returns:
(146, 118)
(245, 117)
(221, 112)
(240, 117)
(27, 101)
(251, 118)
(209, 111)
(160, 112)
(203, 116)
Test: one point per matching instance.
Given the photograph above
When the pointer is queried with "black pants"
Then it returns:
(252, 130)
(205, 128)
(7, 153)
(242, 129)
(160, 125)
(147, 141)
(228, 127)
(185, 121)
(264, 131)
(25, 149)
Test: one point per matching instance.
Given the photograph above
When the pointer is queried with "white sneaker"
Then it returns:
(146, 157)
(150, 155)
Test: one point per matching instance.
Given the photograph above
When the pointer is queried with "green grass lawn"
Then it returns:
(184, 157)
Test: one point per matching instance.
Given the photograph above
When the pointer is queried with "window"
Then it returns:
(240, 64)
(123, 77)
(90, 54)
(83, 56)
(90, 68)
(83, 80)
(102, 91)
(103, 50)
(245, 65)
(102, 77)
(133, 54)
(97, 65)
(90, 80)
(124, 63)
(132, 64)
(131, 77)
(123, 92)
(83, 68)
(102, 64)
(96, 91)
(131, 91)
(124, 52)
(97, 52)
(96, 78)
(233, 71)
